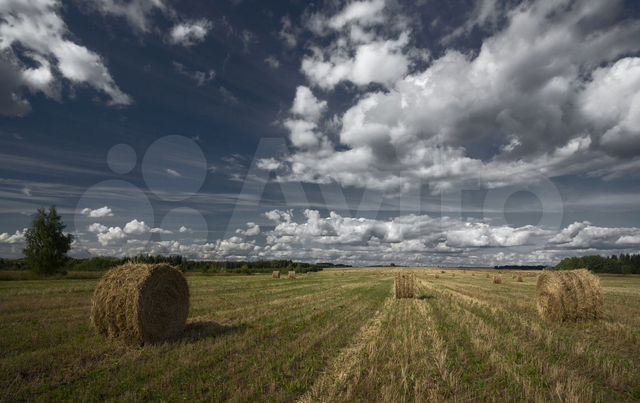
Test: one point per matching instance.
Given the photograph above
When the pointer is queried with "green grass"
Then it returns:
(336, 335)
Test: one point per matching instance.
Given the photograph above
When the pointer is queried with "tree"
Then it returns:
(46, 244)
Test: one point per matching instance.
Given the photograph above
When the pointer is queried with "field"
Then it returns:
(337, 335)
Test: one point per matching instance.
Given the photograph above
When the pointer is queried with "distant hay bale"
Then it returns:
(292, 274)
(405, 285)
(497, 280)
(275, 274)
(437, 275)
(442, 271)
(520, 279)
(569, 295)
(141, 303)
(487, 275)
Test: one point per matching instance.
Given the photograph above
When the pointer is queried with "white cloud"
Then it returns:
(252, 230)
(137, 12)
(112, 235)
(200, 77)
(173, 173)
(16, 237)
(135, 227)
(184, 230)
(287, 32)
(36, 31)
(381, 61)
(160, 231)
(268, 164)
(306, 105)
(97, 228)
(27, 191)
(536, 91)
(190, 33)
(584, 235)
(611, 100)
(272, 62)
(360, 12)
(98, 213)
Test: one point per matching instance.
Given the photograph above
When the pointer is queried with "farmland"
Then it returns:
(336, 335)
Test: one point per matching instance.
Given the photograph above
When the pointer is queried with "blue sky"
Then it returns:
(363, 132)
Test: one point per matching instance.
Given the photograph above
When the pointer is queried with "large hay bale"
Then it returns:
(405, 285)
(569, 295)
(520, 279)
(497, 280)
(141, 303)
(292, 274)
(275, 274)
(437, 275)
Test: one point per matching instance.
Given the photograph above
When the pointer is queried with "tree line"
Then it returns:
(622, 264)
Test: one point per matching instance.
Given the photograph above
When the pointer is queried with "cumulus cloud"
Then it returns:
(97, 228)
(35, 45)
(252, 230)
(16, 237)
(190, 33)
(381, 61)
(112, 235)
(98, 213)
(135, 227)
(553, 92)
(584, 235)
(306, 105)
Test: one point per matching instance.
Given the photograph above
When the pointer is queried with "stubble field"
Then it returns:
(337, 335)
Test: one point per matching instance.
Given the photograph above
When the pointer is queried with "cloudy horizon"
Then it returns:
(368, 132)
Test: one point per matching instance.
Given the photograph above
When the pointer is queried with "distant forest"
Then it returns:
(182, 263)
(623, 263)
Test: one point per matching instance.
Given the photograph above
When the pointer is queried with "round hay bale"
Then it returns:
(569, 295)
(497, 280)
(520, 279)
(141, 303)
(437, 276)
(291, 274)
(275, 274)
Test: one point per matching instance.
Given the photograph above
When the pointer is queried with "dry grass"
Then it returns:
(338, 336)
(569, 295)
(275, 274)
(405, 285)
(141, 303)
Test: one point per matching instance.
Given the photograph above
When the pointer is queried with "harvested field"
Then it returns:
(338, 335)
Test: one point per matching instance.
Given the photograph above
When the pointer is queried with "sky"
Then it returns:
(433, 132)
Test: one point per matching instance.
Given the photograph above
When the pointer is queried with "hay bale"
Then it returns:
(292, 274)
(405, 285)
(442, 271)
(520, 279)
(569, 295)
(141, 303)
(487, 275)
(275, 274)
(437, 275)
(497, 280)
